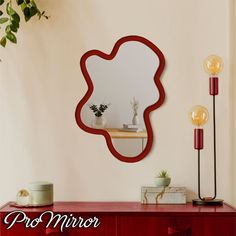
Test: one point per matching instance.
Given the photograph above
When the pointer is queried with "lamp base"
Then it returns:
(215, 202)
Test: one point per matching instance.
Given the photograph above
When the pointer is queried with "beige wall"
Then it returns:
(41, 84)
(232, 89)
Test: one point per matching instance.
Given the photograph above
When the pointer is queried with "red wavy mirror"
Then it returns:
(124, 87)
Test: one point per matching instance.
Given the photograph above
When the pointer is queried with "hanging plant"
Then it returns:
(10, 19)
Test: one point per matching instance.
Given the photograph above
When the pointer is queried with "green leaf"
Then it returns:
(1, 2)
(23, 6)
(3, 41)
(13, 28)
(26, 12)
(33, 11)
(3, 20)
(1, 12)
(15, 23)
(19, 2)
(10, 10)
(11, 37)
(15, 17)
(33, 4)
(8, 29)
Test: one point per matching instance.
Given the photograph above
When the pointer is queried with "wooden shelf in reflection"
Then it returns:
(122, 134)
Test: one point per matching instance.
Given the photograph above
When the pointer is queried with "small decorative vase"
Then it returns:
(99, 122)
(162, 182)
(135, 120)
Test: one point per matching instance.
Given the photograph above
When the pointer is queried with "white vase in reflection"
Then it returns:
(99, 122)
(135, 120)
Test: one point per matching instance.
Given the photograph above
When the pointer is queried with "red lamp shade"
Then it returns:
(213, 85)
(198, 139)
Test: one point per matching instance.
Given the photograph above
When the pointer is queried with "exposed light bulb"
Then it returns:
(199, 115)
(213, 65)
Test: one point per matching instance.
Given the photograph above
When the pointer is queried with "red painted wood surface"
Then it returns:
(134, 219)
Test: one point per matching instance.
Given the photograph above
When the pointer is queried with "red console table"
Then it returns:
(131, 219)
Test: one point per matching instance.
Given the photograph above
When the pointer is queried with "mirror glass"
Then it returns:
(124, 88)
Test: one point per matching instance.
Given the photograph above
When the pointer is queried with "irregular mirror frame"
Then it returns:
(147, 111)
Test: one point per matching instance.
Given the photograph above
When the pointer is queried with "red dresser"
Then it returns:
(127, 219)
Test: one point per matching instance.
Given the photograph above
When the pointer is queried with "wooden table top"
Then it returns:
(122, 134)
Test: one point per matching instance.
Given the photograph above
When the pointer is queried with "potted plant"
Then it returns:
(98, 110)
(162, 179)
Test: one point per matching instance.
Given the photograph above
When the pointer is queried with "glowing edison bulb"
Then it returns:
(199, 115)
(213, 65)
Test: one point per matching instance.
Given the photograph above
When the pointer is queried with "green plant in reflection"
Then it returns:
(99, 110)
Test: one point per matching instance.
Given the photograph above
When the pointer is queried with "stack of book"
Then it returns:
(163, 195)
(131, 128)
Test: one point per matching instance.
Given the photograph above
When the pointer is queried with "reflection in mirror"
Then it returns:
(125, 87)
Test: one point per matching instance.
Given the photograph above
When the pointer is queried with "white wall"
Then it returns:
(232, 90)
(41, 84)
